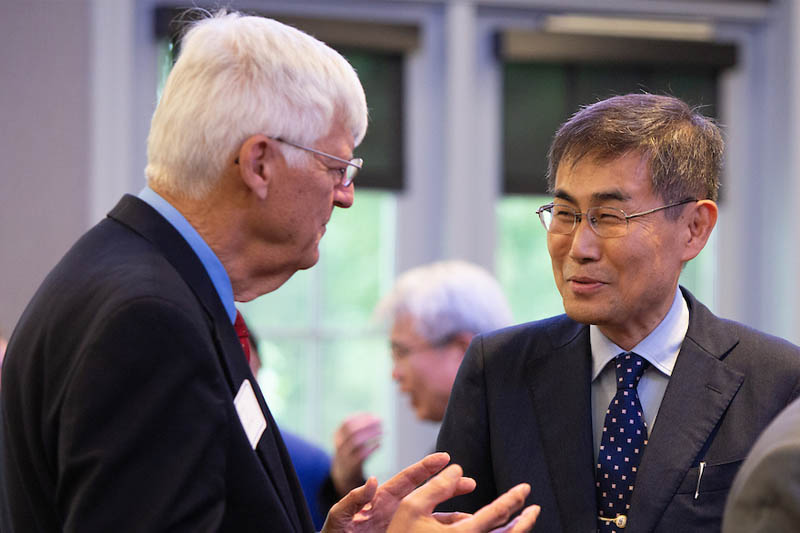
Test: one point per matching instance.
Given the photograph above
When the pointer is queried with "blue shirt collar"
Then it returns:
(660, 348)
(212, 264)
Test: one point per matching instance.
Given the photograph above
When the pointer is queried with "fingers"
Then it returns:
(450, 518)
(499, 511)
(465, 486)
(358, 428)
(357, 498)
(342, 513)
(441, 487)
(525, 521)
(359, 444)
(412, 476)
(358, 436)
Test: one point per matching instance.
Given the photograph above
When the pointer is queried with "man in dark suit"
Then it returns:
(634, 410)
(127, 400)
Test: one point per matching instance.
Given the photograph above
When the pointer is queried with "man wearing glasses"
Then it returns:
(127, 399)
(634, 410)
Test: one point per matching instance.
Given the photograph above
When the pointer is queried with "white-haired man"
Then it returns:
(434, 310)
(127, 400)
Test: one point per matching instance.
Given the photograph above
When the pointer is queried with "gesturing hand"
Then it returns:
(370, 508)
(415, 511)
(356, 438)
(399, 506)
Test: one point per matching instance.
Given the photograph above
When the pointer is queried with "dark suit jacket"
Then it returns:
(765, 497)
(117, 397)
(520, 411)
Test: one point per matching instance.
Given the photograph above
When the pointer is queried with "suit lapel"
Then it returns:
(268, 450)
(699, 391)
(146, 221)
(560, 387)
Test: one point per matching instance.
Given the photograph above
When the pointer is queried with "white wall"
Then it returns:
(44, 142)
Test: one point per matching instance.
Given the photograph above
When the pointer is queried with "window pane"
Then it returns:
(285, 365)
(536, 104)
(358, 253)
(381, 74)
(539, 97)
(523, 264)
(289, 306)
(356, 377)
(699, 274)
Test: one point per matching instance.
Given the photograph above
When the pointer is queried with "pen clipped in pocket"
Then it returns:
(709, 477)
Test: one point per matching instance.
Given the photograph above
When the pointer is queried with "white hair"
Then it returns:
(238, 76)
(445, 298)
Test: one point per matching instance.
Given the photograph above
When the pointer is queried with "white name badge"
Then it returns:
(249, 412)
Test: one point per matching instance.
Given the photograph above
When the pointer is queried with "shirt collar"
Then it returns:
(660, 348)
(212, 264)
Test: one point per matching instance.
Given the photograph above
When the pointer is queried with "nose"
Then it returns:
(343, 196)
(397, 375)
(585, 244)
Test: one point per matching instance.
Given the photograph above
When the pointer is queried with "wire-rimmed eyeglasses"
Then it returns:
(348, 173)
(607, 222)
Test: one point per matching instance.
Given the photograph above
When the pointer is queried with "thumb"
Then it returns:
(346, 508)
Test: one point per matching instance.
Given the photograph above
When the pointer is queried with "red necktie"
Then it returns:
(243, 334)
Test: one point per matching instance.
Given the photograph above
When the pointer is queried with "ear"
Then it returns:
(461, 341)
(700, 221)
(257, 162)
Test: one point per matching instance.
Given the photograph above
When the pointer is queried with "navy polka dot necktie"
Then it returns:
(621, 447)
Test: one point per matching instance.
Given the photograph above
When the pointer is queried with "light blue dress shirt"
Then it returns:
(660, 348)
(219, 277)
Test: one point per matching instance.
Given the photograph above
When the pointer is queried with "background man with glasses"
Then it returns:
(127, 399)
(634, 410)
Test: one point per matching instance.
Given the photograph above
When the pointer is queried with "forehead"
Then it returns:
(404, 328)
(338, 141)
(623, 178)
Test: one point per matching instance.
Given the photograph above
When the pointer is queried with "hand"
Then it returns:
(370, 508)
(355, 440)
(415, 511)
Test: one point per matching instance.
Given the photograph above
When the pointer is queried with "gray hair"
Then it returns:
(682, 147)
(238, 76)
(447, 297)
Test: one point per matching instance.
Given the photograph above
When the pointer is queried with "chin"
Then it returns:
(308, 262)
(585, 314)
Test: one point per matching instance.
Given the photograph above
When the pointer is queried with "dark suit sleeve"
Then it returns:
(465, 431)
(143, 425)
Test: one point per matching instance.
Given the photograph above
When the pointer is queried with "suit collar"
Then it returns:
(147, 222)
(699, 392)
(211, 263)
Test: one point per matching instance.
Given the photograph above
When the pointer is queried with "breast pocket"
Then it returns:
(688, 514)
(715, 477)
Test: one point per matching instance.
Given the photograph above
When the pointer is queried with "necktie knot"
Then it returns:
(629, 367)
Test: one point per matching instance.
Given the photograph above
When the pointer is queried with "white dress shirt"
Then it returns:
(660, 348)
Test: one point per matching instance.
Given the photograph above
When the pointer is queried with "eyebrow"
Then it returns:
(603, 196)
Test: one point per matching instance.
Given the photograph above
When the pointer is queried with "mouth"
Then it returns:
(585, 284)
